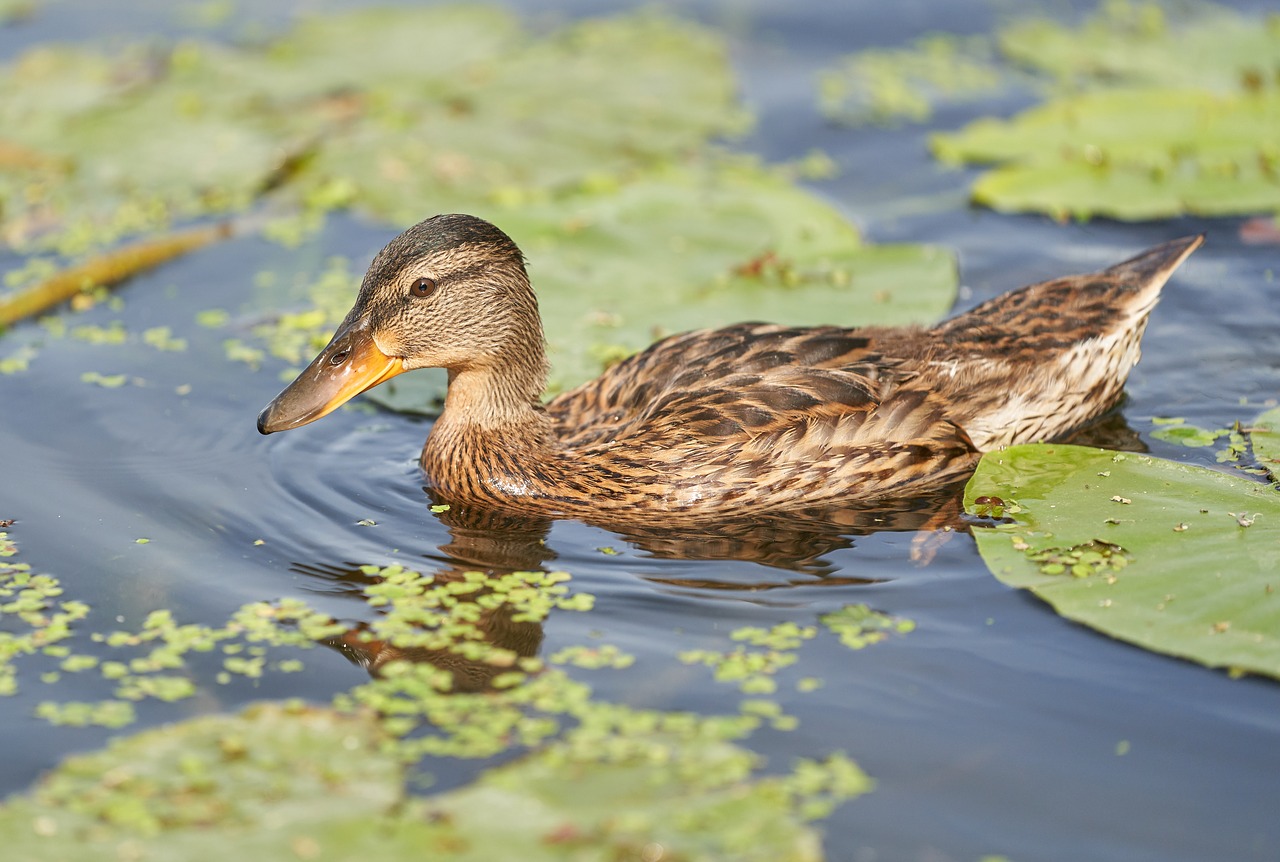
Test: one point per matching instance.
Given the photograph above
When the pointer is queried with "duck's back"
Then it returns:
(1036, 363)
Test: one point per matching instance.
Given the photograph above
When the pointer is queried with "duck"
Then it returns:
(751, 417)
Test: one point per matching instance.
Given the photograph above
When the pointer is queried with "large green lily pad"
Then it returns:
(676, 250)
(459, 104)
(291, 782)
(1157, 120)
(1266, 439)
(601, 99)
(689, 249)
(1176, 558)
(1129, 154)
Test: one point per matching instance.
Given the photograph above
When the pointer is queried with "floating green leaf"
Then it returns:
(1175, 558)
(1193, 436)
(16, 10)
(1216, 48)
(1171, 120)
(613, 272)
(106, 381)
(1266, 439)
(880, 85)
(1129, 154)
(591, 104)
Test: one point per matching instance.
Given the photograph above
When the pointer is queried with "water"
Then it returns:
(995, 727)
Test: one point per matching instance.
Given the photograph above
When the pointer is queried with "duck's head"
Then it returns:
(450, 292)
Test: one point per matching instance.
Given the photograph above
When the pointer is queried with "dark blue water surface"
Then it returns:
(993, 728)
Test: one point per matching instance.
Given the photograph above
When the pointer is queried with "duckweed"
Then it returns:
(860, 626)
(429, 701)
(593, 658)
(754, 670)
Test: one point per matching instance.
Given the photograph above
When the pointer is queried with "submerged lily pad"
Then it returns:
(289, 782)
(1176, 558)
(882, 85)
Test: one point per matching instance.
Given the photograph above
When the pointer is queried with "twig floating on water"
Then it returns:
(108, 270)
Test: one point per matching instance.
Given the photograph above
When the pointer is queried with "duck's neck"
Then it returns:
(489, 400)
(496, 404)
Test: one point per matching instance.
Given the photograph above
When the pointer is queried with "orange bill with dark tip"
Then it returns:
(349, 365)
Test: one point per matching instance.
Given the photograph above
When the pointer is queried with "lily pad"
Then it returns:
(1135, 42)
(883, 85)
(1129, 154)
(687, 249)
(289, 782)
(1167, 120)
(459, 104)
(600, 99)
(679, 249)
(1172, 557)
(1266, 439)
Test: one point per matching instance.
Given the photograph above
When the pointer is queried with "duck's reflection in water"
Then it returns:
(500, 543)
(796, 543)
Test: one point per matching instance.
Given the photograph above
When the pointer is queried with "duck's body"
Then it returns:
(718, 421)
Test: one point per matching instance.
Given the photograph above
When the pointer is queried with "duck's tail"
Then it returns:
(1054, 355)
(1143, 276)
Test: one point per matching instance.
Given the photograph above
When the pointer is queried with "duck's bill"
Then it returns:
(349, 365)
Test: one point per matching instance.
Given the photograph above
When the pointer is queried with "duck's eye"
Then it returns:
(423, 286)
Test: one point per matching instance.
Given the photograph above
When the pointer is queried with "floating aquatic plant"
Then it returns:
(1176, 558)
(1158, 119)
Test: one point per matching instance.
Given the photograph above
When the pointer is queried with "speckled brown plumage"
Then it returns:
(751, 416)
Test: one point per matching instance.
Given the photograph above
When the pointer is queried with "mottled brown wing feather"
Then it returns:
(736, 373)
(825, 408)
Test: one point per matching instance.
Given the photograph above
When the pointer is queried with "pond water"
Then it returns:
(995, 727)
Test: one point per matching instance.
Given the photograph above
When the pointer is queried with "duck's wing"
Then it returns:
(712, 365)
(769, 413)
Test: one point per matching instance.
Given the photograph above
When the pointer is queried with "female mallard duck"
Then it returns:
(749, 416)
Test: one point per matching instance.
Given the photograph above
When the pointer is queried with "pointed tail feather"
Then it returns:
(1153, 267)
